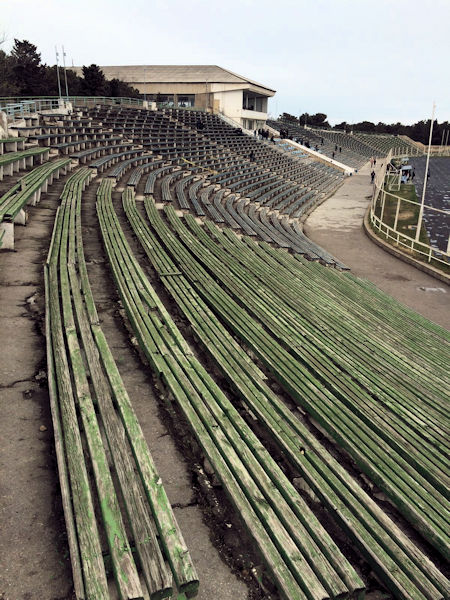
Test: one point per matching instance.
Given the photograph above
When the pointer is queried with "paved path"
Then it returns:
(336, 225)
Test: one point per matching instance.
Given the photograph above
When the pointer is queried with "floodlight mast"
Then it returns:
(65, 74)
(57, 72)
(425, 178)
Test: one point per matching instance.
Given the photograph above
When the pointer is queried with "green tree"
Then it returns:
(318, 120)
(304, 119)
(121, 89)
(8, 86)
(364, 126)
(94, 82)
(288, 118)
(28, 71)
(74, 82)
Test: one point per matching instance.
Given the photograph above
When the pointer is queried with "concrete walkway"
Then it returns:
(336, 225)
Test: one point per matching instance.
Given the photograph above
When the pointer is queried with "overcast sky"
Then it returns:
(378, 60)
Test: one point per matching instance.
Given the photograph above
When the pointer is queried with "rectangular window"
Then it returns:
(186, 101)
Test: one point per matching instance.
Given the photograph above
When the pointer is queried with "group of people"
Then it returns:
(410, 175)
(263, 134)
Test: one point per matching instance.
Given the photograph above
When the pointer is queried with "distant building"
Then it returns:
(201, 86)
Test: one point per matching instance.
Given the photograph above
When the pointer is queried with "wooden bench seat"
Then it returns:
(27, 192)
(12, 162)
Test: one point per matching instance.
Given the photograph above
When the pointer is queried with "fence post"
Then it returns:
(383, 198)
(396, 214)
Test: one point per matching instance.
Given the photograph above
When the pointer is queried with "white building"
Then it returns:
(201, 86)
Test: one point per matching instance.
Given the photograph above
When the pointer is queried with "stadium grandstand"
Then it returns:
(310, 408)
(353, 149)
(198, 86)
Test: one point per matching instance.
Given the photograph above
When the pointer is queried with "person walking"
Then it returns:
(372, 177)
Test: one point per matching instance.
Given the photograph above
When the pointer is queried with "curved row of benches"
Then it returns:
(273, 180)
(393, 557)
(11, 162)
(11, 144)
(26, 192)
(217, 148)
(192, 192)
(301, 557)
(326, 372)
(108, 480)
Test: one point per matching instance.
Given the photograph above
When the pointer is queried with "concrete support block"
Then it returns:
(21, 217)
(8, 237)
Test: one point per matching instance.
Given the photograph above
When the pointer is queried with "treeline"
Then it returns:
(419, 131)
(23, 74)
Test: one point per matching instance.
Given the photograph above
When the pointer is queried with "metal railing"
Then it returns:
(19, 107)
(22, 108)
(400, 239)
(235, 124)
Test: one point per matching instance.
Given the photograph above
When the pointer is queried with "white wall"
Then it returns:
(230, 103)
(231, 106)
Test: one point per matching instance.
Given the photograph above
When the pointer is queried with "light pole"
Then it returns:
(65, 74)
(425, 178)
(57, 72)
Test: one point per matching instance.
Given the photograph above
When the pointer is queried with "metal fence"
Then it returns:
(391, 233)
(19, 107)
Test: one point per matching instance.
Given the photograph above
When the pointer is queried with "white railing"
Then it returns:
(18, 110)
(409, 243)
(17, 107)
(234, 123)
(391, 233)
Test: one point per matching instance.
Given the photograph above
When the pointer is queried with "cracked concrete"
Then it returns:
(34, 562)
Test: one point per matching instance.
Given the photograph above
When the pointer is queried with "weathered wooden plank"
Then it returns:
(156, 575)
(90, 550)
(125, 572)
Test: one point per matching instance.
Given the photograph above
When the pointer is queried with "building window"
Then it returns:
(164, 100)
(253, 102)
(186, 101)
